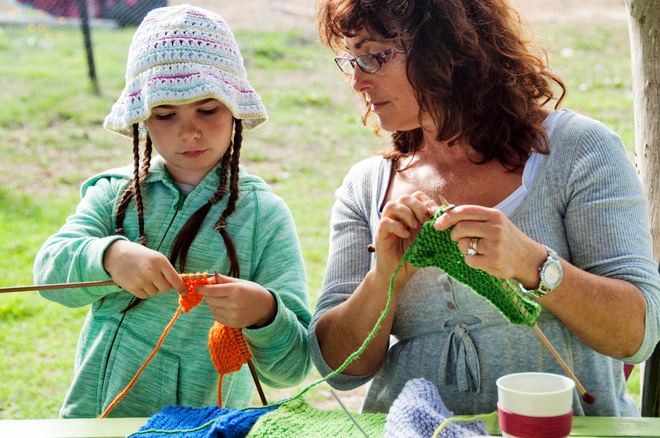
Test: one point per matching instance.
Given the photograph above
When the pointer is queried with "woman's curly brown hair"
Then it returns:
(469, 65)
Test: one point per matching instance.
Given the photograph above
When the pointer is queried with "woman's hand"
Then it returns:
(140, 270)
(401, 221)
(239, 303)
(503, 250)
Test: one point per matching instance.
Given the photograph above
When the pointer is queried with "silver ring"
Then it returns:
(472, 250)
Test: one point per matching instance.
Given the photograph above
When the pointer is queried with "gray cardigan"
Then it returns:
(585, 202)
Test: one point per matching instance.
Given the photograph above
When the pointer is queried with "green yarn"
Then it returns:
(297, 419)
(435, 248)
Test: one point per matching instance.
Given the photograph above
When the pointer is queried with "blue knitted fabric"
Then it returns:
(418, 411)
(206, 422)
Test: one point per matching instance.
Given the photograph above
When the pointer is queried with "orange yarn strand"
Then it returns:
(151, 356)
(186, 303)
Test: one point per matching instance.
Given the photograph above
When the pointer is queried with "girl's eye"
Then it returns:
(164, 116)
(209, 111)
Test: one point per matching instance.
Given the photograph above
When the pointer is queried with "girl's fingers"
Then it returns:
(162, 284)
(174, 281)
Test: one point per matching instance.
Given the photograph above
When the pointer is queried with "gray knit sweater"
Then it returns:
(585, 202)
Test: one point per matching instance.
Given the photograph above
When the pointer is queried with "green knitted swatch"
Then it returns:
(435, 248)
(298, 419)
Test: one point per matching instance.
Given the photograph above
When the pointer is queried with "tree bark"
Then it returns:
(644, 23)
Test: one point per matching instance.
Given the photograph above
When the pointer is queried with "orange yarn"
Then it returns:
(229, 351)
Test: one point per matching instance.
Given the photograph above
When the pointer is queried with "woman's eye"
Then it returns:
(164, 116)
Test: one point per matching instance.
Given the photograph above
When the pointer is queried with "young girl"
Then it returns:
(193, 209)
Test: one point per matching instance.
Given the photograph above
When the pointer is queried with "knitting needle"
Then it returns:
(348, 413)
(260, 390)
(57, 286)
(588, 397)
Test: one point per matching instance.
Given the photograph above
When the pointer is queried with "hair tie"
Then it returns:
(142, 240)
(220, 225)
(119, 231)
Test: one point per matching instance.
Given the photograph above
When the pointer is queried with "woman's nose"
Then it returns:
(361, 81)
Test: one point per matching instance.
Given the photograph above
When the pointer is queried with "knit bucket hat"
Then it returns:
(182, 54)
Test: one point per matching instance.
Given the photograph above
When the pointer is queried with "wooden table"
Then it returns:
(584, 427)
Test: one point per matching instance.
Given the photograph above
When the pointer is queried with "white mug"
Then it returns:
(535, 405)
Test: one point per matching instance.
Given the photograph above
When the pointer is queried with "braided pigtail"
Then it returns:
(234, 270)
(134, 190)
(187, 234)
(140, 173)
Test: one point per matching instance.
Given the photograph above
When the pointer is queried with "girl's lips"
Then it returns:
(375, 106)
(193, 154)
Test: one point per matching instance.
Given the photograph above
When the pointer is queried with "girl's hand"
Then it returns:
(503, 251)
(239, 303)
(402, 219)
(140, 270)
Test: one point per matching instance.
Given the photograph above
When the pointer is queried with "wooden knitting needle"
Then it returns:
(588, 397)
(36, 287)
(260, 390)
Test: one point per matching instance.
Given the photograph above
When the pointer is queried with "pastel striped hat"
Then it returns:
(182, 54)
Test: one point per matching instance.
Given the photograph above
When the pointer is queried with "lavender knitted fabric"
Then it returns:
(206, 422)
(418, 411)
(182, 54)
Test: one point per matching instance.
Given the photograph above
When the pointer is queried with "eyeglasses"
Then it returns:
(368, 63)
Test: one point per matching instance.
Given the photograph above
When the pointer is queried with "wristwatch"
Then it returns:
(551, 274)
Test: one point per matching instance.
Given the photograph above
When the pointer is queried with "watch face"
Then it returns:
(552, 274)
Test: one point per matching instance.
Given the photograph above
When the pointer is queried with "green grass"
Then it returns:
(50, 123)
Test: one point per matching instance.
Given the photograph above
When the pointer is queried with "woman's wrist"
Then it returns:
(530, 277)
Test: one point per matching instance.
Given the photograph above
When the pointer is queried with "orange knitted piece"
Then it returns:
(229, 352)
(192, 298)
(227, 346)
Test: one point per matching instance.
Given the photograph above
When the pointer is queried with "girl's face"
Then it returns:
(191, 137)
(387, 91)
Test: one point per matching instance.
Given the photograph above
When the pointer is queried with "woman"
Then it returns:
(544, 197)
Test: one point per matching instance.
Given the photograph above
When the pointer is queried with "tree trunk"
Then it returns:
(644, 22)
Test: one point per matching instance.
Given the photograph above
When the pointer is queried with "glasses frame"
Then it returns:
(363, 60)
